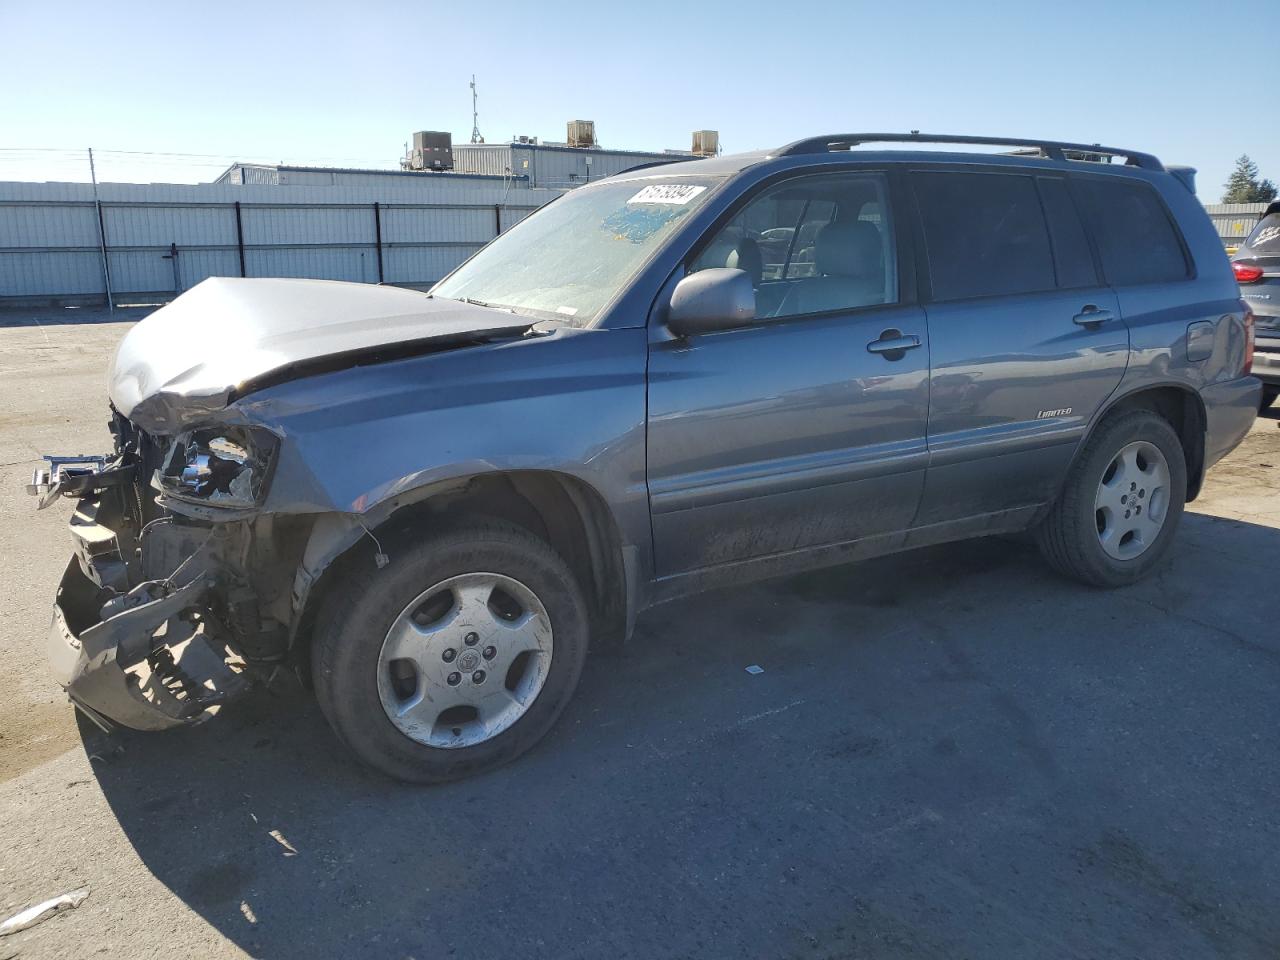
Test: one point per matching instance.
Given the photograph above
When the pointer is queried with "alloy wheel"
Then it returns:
(1132, 500)
(465, 660)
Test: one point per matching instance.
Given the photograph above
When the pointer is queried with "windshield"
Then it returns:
(569, 259)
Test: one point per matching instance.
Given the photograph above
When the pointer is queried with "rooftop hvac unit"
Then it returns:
(432, 150)
(706, 143)
(582, 133)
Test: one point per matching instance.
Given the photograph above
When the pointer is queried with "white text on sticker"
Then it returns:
(674, 193)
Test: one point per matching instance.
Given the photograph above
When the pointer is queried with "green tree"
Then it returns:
(1243, 186)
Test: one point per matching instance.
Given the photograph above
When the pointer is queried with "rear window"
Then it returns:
(1136, 239)
(985, 233)
(1266, 235)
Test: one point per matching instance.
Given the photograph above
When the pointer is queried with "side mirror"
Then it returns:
(717, 299)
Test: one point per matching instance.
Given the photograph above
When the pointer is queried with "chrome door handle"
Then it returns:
(893, 344)
(1091, 315)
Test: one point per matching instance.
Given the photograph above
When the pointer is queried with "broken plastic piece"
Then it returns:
(754, 669)
(43, 911)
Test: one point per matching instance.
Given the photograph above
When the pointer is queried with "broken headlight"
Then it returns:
(219, 466)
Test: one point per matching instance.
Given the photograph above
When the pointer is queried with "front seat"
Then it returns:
(746, 256)
(849, 259)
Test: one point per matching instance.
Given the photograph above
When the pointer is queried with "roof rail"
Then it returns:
(1052, 149)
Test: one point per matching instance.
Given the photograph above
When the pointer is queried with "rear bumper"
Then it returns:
(146, 658)
(1230, 410)
(1266, 361)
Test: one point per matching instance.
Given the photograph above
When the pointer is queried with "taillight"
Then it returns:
(1248, 343)
(1246, 272)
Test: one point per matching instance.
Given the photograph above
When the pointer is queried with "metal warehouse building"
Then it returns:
(284, 175)
(553, 165)
(149, 242)
(533, 165)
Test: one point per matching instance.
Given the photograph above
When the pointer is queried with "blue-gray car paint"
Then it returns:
(610, 406)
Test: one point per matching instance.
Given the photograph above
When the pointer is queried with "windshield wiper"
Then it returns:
(482, 303)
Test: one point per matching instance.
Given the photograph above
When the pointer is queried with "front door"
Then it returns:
(806, 427)
(1026, 341)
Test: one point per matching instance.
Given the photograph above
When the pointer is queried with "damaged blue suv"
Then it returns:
(429, 504)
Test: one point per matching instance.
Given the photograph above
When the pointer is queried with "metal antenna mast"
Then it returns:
(475, 116)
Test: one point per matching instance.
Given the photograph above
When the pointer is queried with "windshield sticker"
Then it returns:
(568, 311)
(673, 193)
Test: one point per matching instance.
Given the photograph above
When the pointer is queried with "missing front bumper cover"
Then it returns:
(150, 664)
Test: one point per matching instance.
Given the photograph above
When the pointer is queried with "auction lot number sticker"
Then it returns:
(669, 193)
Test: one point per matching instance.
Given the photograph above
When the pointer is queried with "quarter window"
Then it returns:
(985, 234)
(1136, 240)
(812, 245)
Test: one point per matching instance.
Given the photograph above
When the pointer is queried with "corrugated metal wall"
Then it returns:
(49, 237)
(1234, 221)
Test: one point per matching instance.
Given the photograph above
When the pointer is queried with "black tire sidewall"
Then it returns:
(355, 620)
(1102, 568)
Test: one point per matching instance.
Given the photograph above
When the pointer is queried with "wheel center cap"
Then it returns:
(468, 660)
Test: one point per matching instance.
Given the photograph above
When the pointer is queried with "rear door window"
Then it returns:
(1071, 254)
(985, 234)
(1136, 239)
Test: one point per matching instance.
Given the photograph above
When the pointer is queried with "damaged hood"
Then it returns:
(229, 336)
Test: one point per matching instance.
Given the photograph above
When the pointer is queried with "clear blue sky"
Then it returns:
(328, 82)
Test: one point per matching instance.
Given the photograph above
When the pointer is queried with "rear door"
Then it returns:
(806, 427)
(1026, 340)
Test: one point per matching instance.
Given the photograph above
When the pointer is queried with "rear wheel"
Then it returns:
(1121, 503)
(455, 658)
(1269, 395)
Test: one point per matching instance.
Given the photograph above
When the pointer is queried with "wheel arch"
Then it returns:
(560, 508)
(1180, 405)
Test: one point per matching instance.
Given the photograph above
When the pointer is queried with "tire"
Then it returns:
(1269, 395)
(1086, 541)
(356, 668)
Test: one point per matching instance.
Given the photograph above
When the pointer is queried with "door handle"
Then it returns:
(893, 344)
(1091, 316)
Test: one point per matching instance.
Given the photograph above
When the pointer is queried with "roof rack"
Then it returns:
(1052, 149)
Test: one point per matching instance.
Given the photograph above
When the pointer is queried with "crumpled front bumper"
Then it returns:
(144, 658)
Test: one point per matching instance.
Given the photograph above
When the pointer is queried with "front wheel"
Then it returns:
(1121, 503)
(456, 657)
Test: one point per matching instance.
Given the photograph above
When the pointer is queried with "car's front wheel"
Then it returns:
(456, 657)
(1121, 503)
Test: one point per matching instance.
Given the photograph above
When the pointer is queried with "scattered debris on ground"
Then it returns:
(43, 911)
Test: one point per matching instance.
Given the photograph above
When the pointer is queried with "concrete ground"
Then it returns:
(950, 753)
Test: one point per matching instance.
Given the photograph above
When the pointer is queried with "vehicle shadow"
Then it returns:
(941, 745)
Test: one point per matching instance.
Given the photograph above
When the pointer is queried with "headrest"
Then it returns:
(849, 250)
(747, 256)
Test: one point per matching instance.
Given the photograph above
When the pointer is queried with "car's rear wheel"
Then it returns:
(456, 657)
(1269, 395)
(1121, 503)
